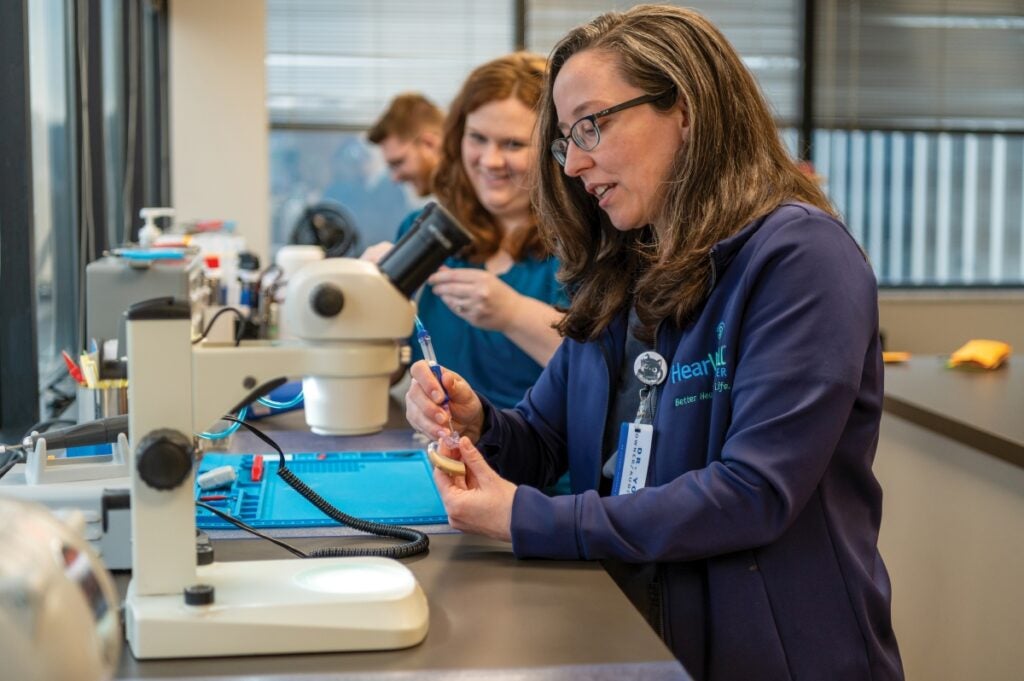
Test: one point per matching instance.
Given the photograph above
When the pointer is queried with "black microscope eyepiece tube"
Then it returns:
(434, 237)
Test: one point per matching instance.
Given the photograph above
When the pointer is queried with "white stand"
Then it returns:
(40, 469)
(80, 484)
(108, 530)
(283, 606)
(264, 607)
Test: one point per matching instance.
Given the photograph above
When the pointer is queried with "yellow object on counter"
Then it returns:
(104, 384)
(90, 370)
(895, 356)
(980, 354)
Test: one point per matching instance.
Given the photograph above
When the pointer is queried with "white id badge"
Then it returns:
(633, 457)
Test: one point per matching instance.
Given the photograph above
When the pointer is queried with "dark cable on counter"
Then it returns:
(416, 541)
(13, 457)
(43, 426)
(249, 528)
(238, 331)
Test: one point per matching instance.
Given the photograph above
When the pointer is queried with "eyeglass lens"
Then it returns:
(585, 134)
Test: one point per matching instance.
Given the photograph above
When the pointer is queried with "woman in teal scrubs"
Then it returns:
(491, 311)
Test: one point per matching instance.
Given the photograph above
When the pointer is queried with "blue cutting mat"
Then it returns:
(394, 487)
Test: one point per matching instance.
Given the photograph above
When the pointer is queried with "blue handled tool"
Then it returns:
(423, 338)
(452, 440)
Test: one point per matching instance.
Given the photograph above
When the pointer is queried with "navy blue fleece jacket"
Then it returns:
(764, 436)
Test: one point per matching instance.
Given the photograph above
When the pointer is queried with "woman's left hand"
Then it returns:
(480, 502)
(478, 296)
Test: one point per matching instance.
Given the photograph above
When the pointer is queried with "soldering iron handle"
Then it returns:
(96, 432)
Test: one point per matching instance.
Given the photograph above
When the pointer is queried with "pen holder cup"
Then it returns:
(101, 402)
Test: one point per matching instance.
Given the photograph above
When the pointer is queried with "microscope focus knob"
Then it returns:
(163, 459)
(327, 300)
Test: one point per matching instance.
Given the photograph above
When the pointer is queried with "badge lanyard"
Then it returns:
(633, 456)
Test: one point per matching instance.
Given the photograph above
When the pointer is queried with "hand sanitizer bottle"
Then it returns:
(149, 232)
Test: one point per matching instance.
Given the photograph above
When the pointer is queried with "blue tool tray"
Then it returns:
(394, 487)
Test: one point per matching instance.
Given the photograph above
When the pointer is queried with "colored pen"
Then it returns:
(73, 369)
(423, 338)
(428, 354)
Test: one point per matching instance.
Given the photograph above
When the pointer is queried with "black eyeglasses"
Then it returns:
(585, 134)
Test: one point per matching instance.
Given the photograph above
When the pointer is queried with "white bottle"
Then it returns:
(231, 288)
(149, 232)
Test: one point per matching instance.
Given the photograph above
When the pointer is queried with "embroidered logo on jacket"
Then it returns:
(713, 365)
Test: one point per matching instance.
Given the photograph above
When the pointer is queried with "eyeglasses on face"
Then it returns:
(585, 132)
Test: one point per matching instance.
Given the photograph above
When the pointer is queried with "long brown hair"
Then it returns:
(732, 170)
(519, 75)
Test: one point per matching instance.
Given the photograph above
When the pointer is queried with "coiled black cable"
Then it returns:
(416, 541)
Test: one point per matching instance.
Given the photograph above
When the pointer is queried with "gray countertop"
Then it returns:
(489, 612)
(491, 615)
(982, 409)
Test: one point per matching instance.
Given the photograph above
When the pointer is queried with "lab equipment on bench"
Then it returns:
(102, 504)
(41, 468)
(329, 226)
(212, 478)
(364, 483)
(294, 257)
(348, 317)
(94, 485)
(59, 618)
(114, 282)
(149, 232)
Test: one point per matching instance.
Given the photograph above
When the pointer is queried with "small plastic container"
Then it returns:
(221, 476)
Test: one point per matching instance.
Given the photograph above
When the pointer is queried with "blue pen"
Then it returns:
(423, 338)
(428, 354)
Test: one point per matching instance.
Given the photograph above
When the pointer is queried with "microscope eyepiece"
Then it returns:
(434, 237)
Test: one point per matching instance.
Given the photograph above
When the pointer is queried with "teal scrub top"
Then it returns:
(488, 360)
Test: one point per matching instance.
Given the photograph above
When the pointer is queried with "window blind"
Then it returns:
(766, 33)
(339, 62)
(920, 64)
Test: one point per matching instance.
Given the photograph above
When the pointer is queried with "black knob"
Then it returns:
(199, 594)
(163, 459)
(327, 300)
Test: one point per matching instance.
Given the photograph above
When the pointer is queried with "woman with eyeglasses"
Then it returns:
(718, 394)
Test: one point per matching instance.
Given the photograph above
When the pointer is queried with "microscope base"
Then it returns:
(283, 606)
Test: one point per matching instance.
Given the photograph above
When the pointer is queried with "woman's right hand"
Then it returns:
(423, 404)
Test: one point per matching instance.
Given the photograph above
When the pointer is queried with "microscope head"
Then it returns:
(344, 299)
(364, 311)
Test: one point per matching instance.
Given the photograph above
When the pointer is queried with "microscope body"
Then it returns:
(346, 353)
(348, 318)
